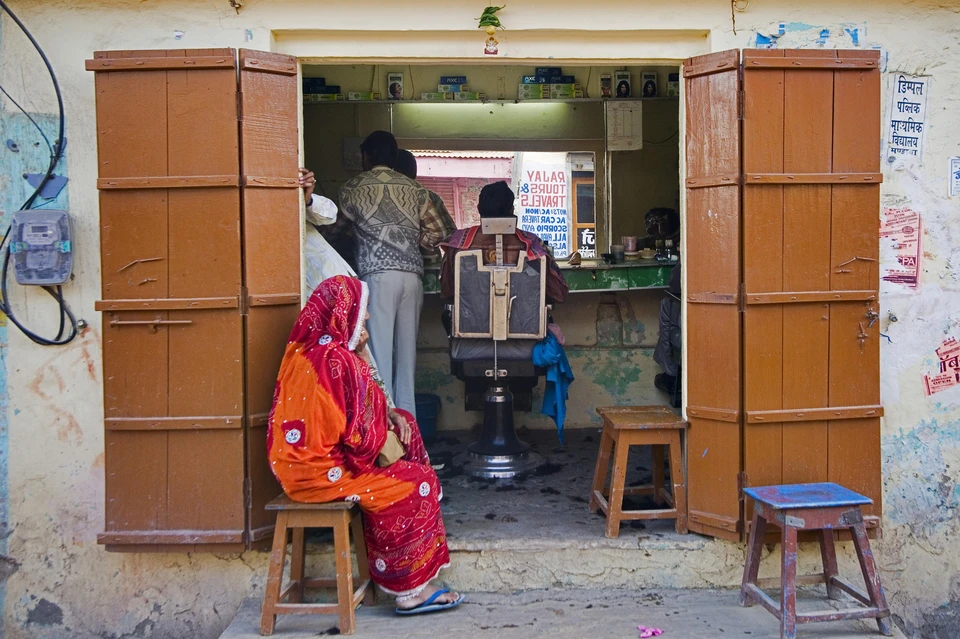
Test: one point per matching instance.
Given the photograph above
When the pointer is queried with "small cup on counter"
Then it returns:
(629, 243)
(617, 251)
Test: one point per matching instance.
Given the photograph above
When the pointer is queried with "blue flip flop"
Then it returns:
(430, 606)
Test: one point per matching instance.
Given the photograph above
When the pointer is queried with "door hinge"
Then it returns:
(741, 485)
(741, 98)
(247, 493)
(244, 301)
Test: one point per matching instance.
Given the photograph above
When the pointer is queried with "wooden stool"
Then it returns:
(295, 516)
(822, 507)
(626, 426)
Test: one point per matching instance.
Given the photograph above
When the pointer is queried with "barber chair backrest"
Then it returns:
(499, 302)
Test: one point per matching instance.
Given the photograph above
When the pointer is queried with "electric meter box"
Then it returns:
(41, 247)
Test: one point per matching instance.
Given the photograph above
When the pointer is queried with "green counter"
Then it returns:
(592, 277)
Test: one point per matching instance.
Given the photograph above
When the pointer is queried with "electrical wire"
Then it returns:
(56, 153)
(664, 141)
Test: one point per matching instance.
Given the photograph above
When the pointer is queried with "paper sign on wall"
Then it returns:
(542, 195)
(948, 374)
(900, 246)
(624, 125)
(904, 133)
(954, 177)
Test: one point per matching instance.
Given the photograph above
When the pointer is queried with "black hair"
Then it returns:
(496, 200)
(406, 164)
(670, 215)
(381, 149)
(623, 85)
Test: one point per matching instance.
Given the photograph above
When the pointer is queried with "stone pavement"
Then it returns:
(566, 614)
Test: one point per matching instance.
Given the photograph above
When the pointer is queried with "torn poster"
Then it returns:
(906, 122)
(900, 246)
(948, 374)
(954, 177)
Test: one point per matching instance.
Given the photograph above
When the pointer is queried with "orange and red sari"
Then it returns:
(328, 424)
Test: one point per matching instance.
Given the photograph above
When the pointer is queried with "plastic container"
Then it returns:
(428, 408)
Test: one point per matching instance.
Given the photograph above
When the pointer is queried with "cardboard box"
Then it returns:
(453, 79)
(534, 79)
(311, 84)
(532, 91)
(325, 89)
(548, 71)
(394, 85)
(469, 96)
(363, 95)
(436, 97)
(452, 88)
(621, 84)
(322, 97)
(561, 79)
(673, 85)
(648, 84)
(565, 91)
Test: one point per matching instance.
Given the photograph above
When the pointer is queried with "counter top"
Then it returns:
(591, 276)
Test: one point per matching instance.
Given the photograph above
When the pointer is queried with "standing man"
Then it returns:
(407, 164)
(393, 218)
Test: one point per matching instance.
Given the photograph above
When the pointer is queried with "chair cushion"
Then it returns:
(466, 350)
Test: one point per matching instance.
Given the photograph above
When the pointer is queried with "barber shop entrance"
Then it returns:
(756, 170)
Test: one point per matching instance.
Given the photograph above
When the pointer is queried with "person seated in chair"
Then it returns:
(496, 200)
(669, 325)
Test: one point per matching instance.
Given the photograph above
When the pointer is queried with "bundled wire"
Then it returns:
(68, 323)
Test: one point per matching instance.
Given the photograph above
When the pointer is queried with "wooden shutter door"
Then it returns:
(712, 272)
(811, 198)
(171, 274)
(271, 239)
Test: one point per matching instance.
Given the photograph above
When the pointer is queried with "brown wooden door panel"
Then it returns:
(205, 480)
(808, 355)
(135, 364)
(168, 145)
(711, 290)
(187, 364)
(206, 371)
(853, 458)
(133, 244)
(204, 238)
(856, 251)
(271, 238)
(139, 459)
(201, 119)
(265, 324)
(128, 139)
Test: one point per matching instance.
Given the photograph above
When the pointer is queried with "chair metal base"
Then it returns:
(501, 466)
(499, 453)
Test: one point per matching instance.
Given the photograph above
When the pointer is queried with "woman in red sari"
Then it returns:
(328, 425)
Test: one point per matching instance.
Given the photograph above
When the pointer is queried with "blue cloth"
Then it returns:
(549, 354)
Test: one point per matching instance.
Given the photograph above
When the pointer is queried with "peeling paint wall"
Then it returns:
(69, 587)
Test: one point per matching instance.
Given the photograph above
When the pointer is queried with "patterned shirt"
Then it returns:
(392, 217)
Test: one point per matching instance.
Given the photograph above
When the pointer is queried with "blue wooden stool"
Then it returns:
(824, 508)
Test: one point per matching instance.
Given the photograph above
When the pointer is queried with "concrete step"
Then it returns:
(565, 614)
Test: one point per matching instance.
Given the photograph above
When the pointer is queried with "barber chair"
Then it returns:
(499, 313)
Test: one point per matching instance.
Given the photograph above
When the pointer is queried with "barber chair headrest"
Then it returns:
(498, 225)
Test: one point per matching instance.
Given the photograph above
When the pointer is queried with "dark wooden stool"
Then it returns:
(824, 508)
(294, 516)
(626, 426)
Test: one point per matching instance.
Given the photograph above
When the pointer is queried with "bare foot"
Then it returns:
(447, 597)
